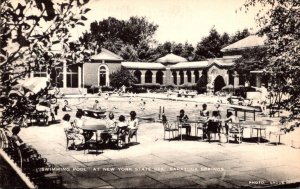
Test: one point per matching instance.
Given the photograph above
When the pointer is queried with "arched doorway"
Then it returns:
(189, 76)
(219, 83)
(103, 79)
(174, 74)
(159, 77)
(137, 75)
(181, 77)
(196, 72)
(148, 76)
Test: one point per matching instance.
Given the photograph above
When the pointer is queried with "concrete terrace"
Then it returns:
(156, 163)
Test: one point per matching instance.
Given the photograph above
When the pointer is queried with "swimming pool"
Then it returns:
(150, 109)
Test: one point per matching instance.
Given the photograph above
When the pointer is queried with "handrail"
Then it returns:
(24, 178)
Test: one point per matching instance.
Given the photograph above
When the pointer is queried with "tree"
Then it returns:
(202, 82)
(210, 46)
(185, 50)
(252, 59)
(29, 28)
(119, 36)
(281, 26)
(239, 35)
(122, 77)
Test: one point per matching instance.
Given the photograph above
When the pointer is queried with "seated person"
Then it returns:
(204, 112)
(132, 124)
(164, 119)
(182, 119)
(230, 119)
(73, 132)
(122, 127)
(66, 107)
(213, 125)
(78, 123)
(96, 105)
(111, 122)
(16, 140)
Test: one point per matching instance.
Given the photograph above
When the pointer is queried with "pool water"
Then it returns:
(150, 109)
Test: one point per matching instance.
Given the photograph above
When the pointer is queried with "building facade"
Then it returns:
(169, 70)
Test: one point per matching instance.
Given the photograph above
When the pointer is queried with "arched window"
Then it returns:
(159, 77)
(148, 76)
(174, 74)
(103, 79)
(137, 75)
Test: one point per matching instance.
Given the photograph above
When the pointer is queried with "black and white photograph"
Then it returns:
(149, 94)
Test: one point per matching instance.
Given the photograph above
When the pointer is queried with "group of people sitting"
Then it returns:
(211, 123)
(119, 128)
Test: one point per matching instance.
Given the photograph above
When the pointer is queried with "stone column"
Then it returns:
(236, 79)
(178, 77)
(164, 78)
(171, 79)
(79, 76)
(185, 81)
(143, 72)
(193, 76)
(226, 78)
(154, 76)
(83, 76)
(168, 76)
(65, 74)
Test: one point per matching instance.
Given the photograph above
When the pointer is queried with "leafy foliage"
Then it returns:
(129, 38)
(122, 77)
(29, 28)
(210, 46)
(281, 25)
(252, 59)
(185, 50)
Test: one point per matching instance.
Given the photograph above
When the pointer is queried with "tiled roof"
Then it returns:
(202, 64)
(198, 64)
(171, 58)
(106, 55)
(248, 42)
(222, 63)
(143, 65)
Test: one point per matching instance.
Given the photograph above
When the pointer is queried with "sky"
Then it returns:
(178, 20)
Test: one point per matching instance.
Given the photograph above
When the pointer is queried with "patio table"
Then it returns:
(95, 113)
(258, 126)
(94, 126)
(192, 122)
(244, 109)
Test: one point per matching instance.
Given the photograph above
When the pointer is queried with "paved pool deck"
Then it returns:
(157, 163)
